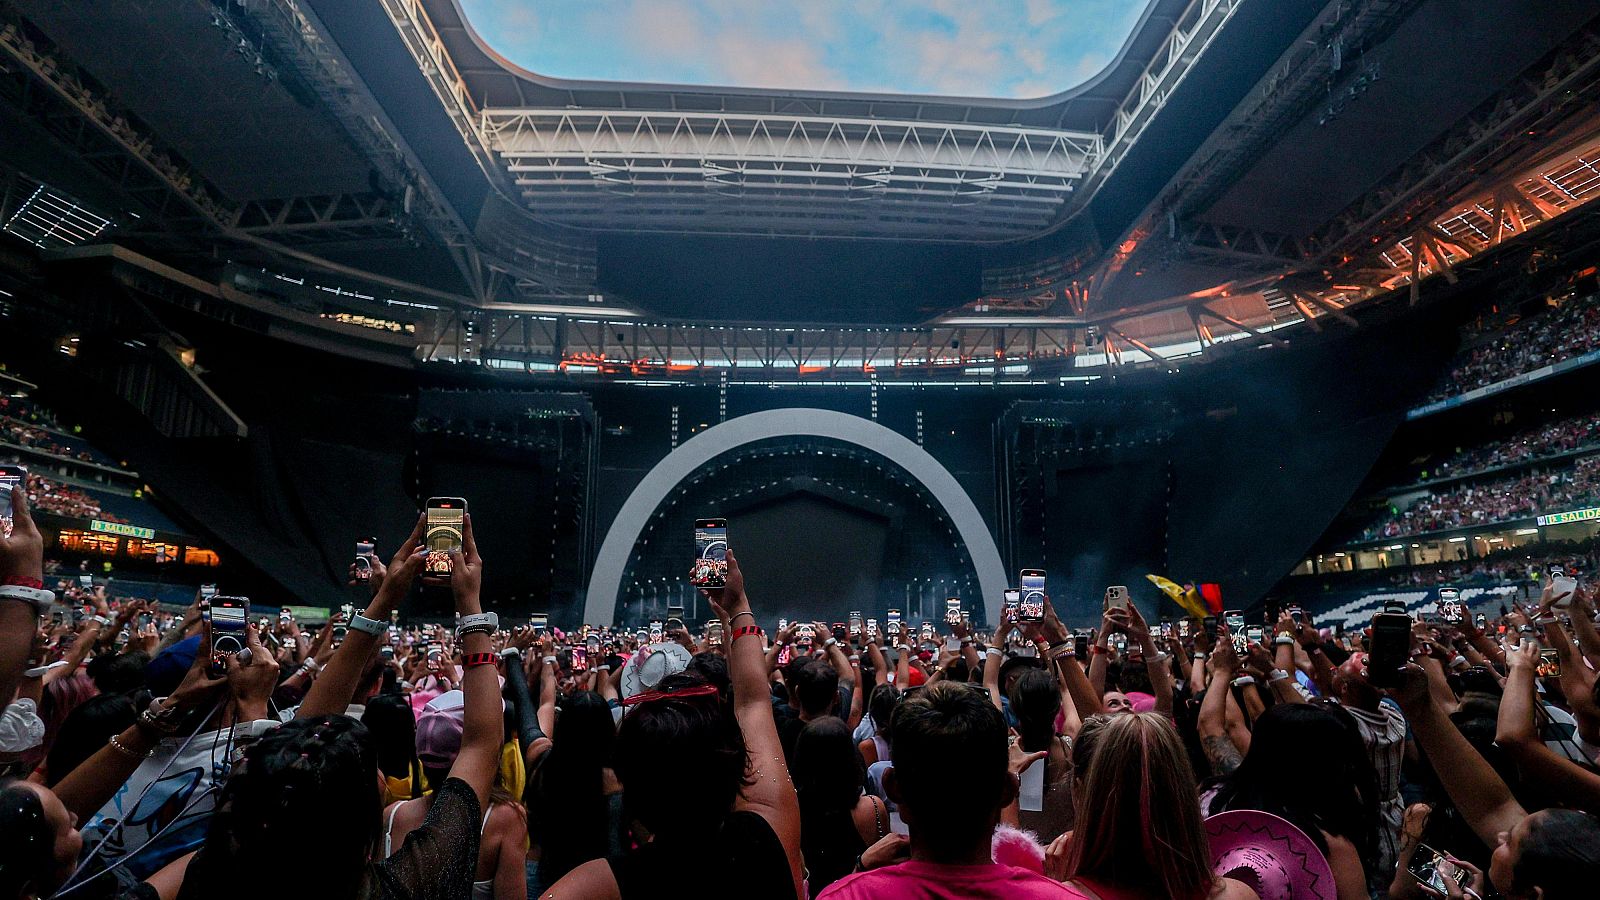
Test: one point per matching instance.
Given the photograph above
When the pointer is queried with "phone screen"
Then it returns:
(12, 476)
(675, 617)
(710, 553)
(655, 632)
(1183, 628)
(872, 628)
(1549, 664)
(229, 619)
(855, 623)
(540, 622)
(446, 518)
(1433, 870)
(1449, 606)
(1253, 634)
(893, 622)
(952, 610)
(363, 564)
(1030, 608)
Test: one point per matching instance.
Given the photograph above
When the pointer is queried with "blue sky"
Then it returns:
(983, 48)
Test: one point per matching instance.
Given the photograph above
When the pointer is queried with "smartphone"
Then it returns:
(363, 563)
(840, 633)
(1080, 646)
(1433, 870)
(1030, 608)
(926, 633)
(1481, 620)
(655, 632)
(207, 591)
(1390, 645)
(872, 628)
(714, 633)
(1013, 597)
(146, 620)
(1297, 614)
(1235, 622)
(782, 624)
(435, 658)
(675, 619)
(230, 617)
(1449, 606)
(12, 476)
(1562, 583)
(447, 517)
(1549, 664)
(86, 582)
(1116, 598)
(804, 634)
(892, 623)
(540, 622)
(710, 553)
(580, 659)
(1119, 643)
(855, 623)
(1183, 628)
(952, 610)
(1254, 634)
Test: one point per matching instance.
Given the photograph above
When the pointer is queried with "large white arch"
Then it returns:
(605, 583)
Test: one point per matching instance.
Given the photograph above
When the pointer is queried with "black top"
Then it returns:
(440, 856)
(746, 859)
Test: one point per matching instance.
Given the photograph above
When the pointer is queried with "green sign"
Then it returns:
(1577, 515)
(124, 530)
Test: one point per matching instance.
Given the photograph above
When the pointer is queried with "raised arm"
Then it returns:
(1583, 626)
(1517, 732)
(1156, 663)
(880, 668)
(770, 793)
(334, 688)
(21, 563)
(1473, 786)
(1212, 725)
(482, 730)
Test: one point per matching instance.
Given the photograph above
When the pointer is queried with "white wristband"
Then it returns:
(549, 660)
(365, 625)
(1277, 675)
(830, 642)
(38, 597)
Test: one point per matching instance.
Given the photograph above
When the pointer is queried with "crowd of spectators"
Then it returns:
(1570, 329)
(22, 434)
(1499, 500)
(1564, 436)
(65, 500)
(374, 757)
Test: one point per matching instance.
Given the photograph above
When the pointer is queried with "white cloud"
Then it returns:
(1017, 48)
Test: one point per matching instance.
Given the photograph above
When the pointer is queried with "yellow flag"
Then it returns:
(1189, 601)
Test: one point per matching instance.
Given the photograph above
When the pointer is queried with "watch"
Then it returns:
(37, 597)
(373, 627)
(487, 622)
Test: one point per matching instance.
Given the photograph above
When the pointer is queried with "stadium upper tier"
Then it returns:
(1152, 212)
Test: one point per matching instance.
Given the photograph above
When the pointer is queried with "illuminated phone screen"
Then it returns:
(446, 518)
(710, 553)
(1030, 608)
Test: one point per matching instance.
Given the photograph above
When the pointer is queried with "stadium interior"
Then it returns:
(1298, 298)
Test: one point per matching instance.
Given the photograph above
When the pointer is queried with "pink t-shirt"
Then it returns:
(933, 881)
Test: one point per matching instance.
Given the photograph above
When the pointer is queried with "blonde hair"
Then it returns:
(1140, 825)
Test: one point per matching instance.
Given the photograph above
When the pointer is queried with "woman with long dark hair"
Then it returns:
(705, 780)
(1288, 741)
(394, 731)
(838, 818)
(1036, 703)
(574, 797)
